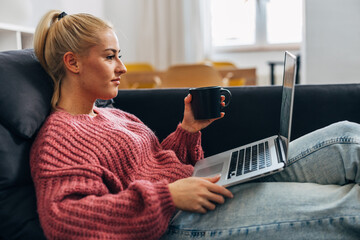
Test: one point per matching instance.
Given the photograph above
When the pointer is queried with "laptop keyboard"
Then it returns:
(249, 159)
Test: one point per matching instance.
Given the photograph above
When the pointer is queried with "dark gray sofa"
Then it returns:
(25, 93)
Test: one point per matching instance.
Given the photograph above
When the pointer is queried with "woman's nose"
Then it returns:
(121, 68)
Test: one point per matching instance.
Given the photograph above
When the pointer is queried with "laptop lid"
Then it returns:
(289, 76)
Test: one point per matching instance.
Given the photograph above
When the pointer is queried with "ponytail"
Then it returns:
(58, 33)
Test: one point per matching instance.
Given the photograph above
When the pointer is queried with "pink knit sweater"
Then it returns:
(106, 177)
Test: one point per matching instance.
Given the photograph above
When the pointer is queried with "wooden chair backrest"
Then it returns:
(191, 75)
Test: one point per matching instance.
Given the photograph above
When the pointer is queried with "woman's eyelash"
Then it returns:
(113, 56)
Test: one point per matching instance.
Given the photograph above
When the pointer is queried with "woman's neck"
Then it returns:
(74, 101)
(76, 108)
(75, 105)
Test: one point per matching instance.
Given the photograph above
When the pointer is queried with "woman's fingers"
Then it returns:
(200, 209)
(212, 179)
(216, 198)
(208, 205)
(214, 193)
(198, 194)
(214, 188)
(187, 99)
(220, 190)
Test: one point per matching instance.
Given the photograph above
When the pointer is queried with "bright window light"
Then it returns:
(233, 22)
(284, 21)
(258, 23)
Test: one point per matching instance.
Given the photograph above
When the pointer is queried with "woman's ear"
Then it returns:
(71, 62)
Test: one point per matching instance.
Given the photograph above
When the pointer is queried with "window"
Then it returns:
(256, 23)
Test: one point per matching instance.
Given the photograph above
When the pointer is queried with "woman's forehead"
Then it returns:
(108, 40)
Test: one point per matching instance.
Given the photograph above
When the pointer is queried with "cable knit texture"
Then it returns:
(106, 177)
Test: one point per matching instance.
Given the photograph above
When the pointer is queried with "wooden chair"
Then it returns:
(239, 76)
(231, 78)
(149, 79)
(139, 67)
(224, 64)
(141, 75)
(191, 75)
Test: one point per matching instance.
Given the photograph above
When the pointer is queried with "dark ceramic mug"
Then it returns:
(206, 101)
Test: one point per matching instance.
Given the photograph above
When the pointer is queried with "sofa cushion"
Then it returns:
(25, 95)
(18, 215)
(26, 87)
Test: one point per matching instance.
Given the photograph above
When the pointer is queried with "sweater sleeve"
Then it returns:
(186, 145)
(85, 201)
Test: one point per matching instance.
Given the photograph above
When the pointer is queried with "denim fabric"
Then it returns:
(316, 197)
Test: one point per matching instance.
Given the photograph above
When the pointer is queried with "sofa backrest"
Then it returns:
(253, 114)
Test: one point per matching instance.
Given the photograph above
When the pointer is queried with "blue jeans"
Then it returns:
(316, 197)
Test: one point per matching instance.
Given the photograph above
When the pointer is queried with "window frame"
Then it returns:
(261, 43)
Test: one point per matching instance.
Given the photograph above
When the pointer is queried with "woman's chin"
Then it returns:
(110, 95)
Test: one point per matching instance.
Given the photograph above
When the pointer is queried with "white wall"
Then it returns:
(331, 49)
(124, 14)
(16, 12)
(29, 12)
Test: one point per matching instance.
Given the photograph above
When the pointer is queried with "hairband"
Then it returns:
(61, 15)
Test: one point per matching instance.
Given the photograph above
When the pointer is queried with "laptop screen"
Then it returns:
(290, 69)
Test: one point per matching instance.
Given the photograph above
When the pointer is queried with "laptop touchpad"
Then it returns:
(210, 170)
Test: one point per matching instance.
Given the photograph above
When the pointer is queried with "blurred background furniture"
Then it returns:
(232, 74)
(15, 36)
(239, 76)
(123, 83)
(143, 75)
(140, 75)
(139, 67)
(191, 75)
(222, 64)
(145, 79)
(273, 64)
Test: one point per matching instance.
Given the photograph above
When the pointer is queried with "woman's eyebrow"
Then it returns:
(113, 50)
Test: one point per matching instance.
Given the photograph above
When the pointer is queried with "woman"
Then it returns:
(102, 174)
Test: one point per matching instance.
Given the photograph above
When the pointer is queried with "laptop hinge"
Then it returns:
(279, 150)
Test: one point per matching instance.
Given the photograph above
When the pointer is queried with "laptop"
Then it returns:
(260, 158)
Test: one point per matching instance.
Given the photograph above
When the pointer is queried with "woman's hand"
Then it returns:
(189, 123)
(196, 194)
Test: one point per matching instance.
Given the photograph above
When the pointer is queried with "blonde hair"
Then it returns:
(55, 36)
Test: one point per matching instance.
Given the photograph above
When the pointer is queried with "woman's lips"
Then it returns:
(116, 80)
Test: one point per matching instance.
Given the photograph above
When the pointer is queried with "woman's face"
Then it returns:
(100, 68)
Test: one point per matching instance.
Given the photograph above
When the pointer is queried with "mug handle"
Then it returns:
(228, 97)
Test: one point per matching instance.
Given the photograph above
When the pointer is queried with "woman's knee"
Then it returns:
(345, 128)
(343, 131)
